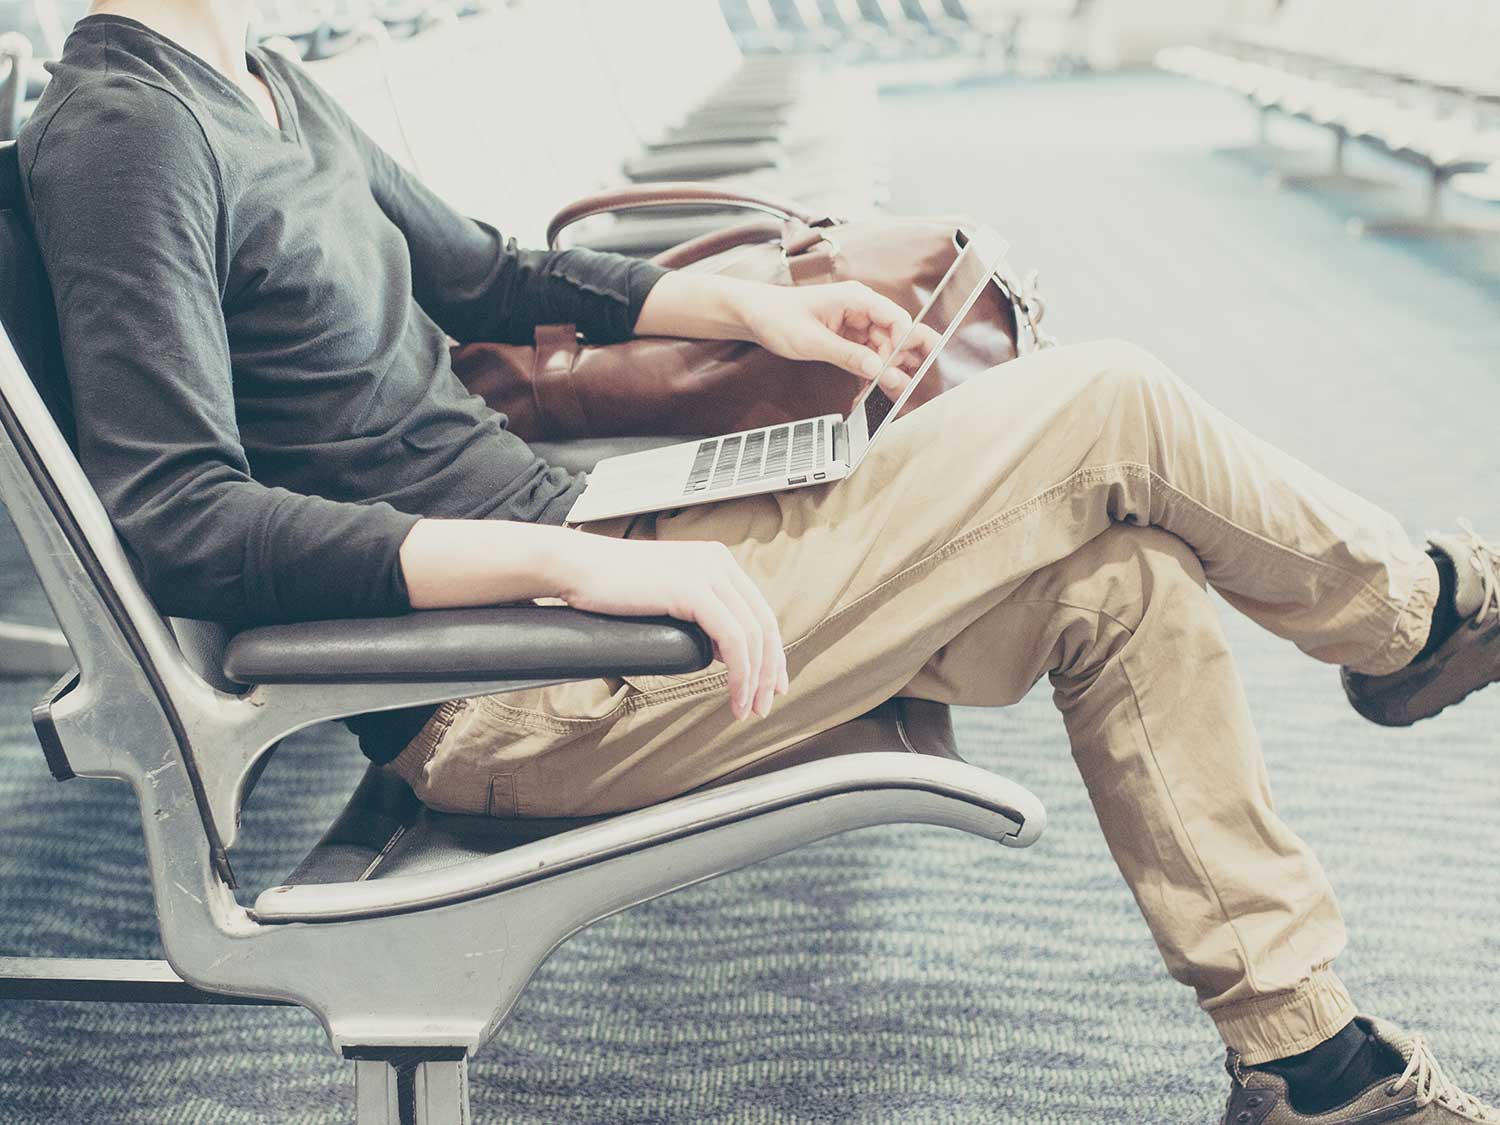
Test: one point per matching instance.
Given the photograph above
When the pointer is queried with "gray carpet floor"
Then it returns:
(909, 974)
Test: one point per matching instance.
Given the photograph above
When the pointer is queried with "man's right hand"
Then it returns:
(447, 563)
(699, 582)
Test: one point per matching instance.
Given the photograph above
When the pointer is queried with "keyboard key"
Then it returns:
(776, 448)
(703, 466)
(802, 447)
(750, 460)
(729, 456)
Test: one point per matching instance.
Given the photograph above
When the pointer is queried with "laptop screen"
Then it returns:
(918, 349)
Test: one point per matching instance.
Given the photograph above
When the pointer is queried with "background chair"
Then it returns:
(1415, 79)
(636, 109)
(24, 649)
(409, 934)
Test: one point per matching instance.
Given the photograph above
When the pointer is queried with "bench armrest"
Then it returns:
(499, 643)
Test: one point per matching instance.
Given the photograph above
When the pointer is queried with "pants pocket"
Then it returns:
(559, 707)
(647, 685)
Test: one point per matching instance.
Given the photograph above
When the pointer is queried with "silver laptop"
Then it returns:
(803, 454)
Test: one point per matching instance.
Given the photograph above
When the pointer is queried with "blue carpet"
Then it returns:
(909, 974)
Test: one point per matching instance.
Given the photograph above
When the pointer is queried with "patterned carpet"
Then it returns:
(902, 975)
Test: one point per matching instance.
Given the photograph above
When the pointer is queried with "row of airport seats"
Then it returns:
(1417, 79)
(321, 28)
(514, 111)
(1004, 34)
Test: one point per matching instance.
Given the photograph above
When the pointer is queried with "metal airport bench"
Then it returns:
(1416, 79)
(409, 934)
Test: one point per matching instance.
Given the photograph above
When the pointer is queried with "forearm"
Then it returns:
(845, 324)
(483, 562)
(448, 563)
(478, 285)
(698, 306)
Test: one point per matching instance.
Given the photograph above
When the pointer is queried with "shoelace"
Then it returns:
(1485, 559)
(1432, 1085)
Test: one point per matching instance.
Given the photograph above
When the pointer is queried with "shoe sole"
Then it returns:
(1367, 706)
(1382, 720)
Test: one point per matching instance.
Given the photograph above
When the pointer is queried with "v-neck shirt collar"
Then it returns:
(287, 127)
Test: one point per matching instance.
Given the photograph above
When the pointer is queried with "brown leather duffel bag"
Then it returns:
(561, 388)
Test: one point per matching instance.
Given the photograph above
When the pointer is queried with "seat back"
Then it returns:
(453, 102)
(809, 15)
(151, 704)
(116, 634)
(874, 14)
(15, 52)
(644, 48)
(26, 307)
(850, 15)
(591, 134)
(29, 317)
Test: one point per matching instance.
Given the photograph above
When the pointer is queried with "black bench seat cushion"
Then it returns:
(384, 830)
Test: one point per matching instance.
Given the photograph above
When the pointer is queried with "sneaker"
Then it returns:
(1461, 665)
(1422, 1095)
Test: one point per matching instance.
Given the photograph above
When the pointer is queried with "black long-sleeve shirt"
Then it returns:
(256, 322)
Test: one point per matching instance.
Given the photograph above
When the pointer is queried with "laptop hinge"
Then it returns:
(840, 443)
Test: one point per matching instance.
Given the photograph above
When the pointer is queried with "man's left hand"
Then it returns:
(846, 324)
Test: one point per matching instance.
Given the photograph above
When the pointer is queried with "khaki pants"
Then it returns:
(1058, 517)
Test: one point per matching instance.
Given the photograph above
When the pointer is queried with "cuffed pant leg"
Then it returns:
(1161, 731)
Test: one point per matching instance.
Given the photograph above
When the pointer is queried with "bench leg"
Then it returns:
(1435, 185)
(1432, 224)
(411, 1087)
(1339, 169)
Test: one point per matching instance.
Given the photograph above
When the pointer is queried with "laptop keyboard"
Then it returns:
(798, 448)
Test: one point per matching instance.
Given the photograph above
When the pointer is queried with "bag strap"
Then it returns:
(717, 241)
(552, 385)
(673, 194)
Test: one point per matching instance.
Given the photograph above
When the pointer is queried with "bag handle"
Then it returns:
(673, 194)
(718, 241)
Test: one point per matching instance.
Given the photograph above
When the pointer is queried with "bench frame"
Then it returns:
(188, 717)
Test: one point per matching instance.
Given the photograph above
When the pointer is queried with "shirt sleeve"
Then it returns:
(127, 202)
(478, 285)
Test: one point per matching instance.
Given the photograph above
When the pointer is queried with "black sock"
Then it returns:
(1336, 1070)
(1445, 618)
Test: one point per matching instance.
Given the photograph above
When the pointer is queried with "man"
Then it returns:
(255, 303)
